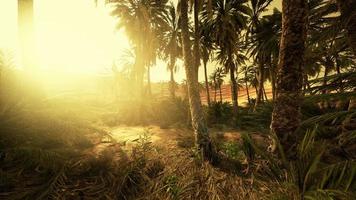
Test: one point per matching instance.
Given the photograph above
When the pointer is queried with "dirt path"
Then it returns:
(129, 135)
(171, 140)
(158, 136)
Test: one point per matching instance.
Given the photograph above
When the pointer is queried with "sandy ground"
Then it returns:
(170, 140)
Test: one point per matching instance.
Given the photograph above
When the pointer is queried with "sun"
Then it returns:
(76, 36)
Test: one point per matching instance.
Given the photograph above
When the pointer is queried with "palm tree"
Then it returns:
(212, 84)
(226, 22)
(137, 17)
(196, 47)
(260, 31)
(170, 40)
(246, 80)
(348, 16)
(217, 80)
(286, 112)
(199, 125)
(197, 7)
(206, 47)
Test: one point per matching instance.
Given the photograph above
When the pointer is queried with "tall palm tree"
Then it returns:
(286, 112)
(213, 83)
(171, 48)
(257, 8)
(217, 78)
(137, 17)
(246, 80)
(227, 20)
(199, 125)
(196, 47)
(348, 15)
(197, 8)
(206, 48)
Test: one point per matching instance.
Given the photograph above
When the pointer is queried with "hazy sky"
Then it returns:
(74, 36)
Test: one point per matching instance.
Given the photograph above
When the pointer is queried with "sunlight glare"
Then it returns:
(76, 36)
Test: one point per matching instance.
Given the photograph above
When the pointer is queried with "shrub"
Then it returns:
(219, 113)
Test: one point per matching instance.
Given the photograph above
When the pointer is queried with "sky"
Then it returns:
(75, 36)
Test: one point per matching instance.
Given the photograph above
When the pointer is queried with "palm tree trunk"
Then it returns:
(215, 92)
(273, 81)
(26, 33)
(247, 90)
(264, 92)
(273, 87)
(172, 84)
(220, 93)
(149, 91)
(199, 125)
(260, 78)
(206, 83)
(234, 92)
(286, 113)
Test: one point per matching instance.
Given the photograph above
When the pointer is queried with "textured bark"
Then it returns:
(206, 83)
(273, 80)
(172, 85)
(260, 78)
(26, 33)
(215, 92)
(264, 93)
(247, 90)
(220, 93)
(234, 92)
(202, 138)
(286, 113)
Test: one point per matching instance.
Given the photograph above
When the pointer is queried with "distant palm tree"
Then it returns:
(217, 80)
(137, 17)
(206, 48)
(220, 74)
(247, 79)
(261, 57)
(212, 85)
(226, 22)
(171, 48)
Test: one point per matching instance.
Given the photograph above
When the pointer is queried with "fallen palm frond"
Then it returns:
(307, 177)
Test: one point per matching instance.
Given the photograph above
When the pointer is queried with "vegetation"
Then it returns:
(294, 138)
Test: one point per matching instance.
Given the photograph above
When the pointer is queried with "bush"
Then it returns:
(165, 113)
(219, 113)
(169, 112)
(255, 121)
